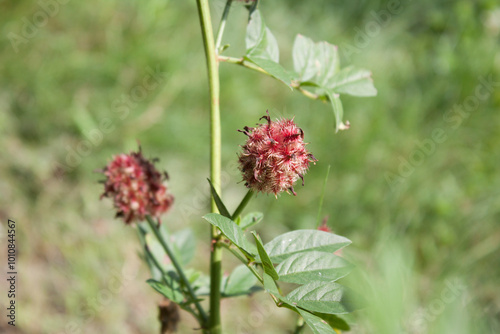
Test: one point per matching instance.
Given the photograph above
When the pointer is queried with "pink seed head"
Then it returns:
(136, 187)
(274, 156)
(324, 227)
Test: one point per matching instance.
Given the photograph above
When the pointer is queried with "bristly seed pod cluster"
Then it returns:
(136, 187)
(274, 156)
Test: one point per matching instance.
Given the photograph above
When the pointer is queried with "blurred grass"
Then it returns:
(68, 77)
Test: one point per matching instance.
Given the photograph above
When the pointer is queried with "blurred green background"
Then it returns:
(64, 85)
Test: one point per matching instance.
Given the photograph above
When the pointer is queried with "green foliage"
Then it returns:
(232, 231)
(183, 245)
(310, 266)
(304, 257)
(290, 243)
(262, 48)
(241, 282)
(317, 325)
(218, 201)
(333, 320)
(352, 81)
(315, 62)
(251, 219)
(324, 297)
(316, 65)
(169, 288)
(264, 258)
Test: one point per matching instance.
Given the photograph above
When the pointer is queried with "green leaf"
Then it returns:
(232, 231)
(241, 282)
(311, 266)
(338, 110)
(274, 69)
(324, 297)
(334, 321)
(184, 245)
(315, 62)
(315, 323)
(300, 241)
(170, 291)
(251, 219)
(259, 40)
(303, 58)
(158, 252)
(201, 285)
(352, 81)
(270, 285)
(262, 48)
(218, 201)
(328, 59)
(264, 257)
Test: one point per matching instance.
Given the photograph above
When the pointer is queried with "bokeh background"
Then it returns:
(425, 226)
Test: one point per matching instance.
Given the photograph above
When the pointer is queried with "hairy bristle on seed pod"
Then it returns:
(136, 187)
(274, 156)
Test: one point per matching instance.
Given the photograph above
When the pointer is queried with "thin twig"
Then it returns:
(178, 268)
(295, 84)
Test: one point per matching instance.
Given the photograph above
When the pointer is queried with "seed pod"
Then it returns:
(274, 156)
(136, 187)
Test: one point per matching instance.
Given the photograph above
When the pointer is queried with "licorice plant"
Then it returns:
(272, 160)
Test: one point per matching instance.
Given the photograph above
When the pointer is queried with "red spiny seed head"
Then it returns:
(324, 226)
(274, 156)
(136, 187)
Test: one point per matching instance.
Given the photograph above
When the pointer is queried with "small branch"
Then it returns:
(244, 63)
(222, 26)
(306, 92)
(244, 261)
(251, 66)
(243, 204)
(178, 268)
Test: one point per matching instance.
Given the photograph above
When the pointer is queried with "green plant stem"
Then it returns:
(243, 204)
(244, 63)
(163, 273)
(222, 26)
(245, 261)
(318, 218)
(300, 325)
(215, 160)
(249, 65)
(178, 268)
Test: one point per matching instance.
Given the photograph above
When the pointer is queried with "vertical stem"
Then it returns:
(215, 160)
